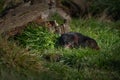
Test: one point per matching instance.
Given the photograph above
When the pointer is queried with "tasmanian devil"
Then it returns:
(75, 40)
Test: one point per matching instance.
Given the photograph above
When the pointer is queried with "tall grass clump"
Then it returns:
(37, 37)
(15, 61)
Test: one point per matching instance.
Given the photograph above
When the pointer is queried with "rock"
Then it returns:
(22, 15)
(17, 18)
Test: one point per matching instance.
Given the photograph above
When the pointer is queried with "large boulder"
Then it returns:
(39, 11)
(22, 15)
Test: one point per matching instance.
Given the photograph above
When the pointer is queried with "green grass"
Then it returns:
(37, 38)
(75, 64)
(1, 5)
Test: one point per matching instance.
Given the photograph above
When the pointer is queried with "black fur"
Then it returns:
(75, 40)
